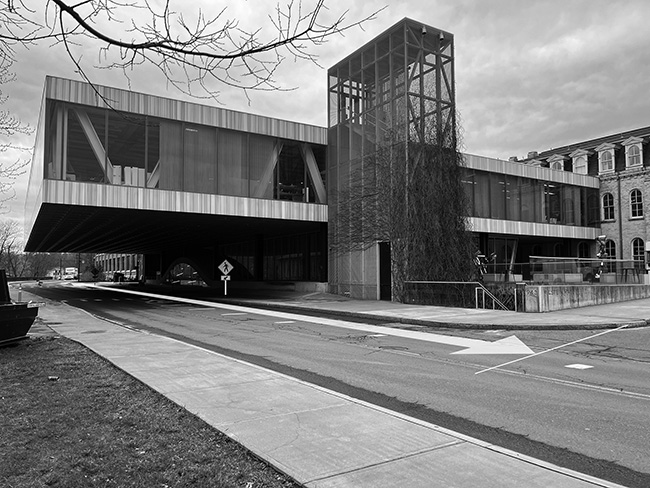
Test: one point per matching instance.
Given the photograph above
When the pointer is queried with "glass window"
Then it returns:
(530, 201)
(127, 147)
(467, 182)
(580, 165)
(513, 198)
(606, 161)
(583, 250)
(153, 150)
(608, 206)
(290, 175)
(482, 195)
(86, 146)
(200, 156)
(557, 165)
(638, 249)
(552, 203)
(636, 204)
(610, 253)
(171, 155)
(568, 211)
(610, 249)
(593, 219)
(633, 156)
(497, 196)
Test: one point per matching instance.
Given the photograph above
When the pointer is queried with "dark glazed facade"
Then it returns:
(177, 181)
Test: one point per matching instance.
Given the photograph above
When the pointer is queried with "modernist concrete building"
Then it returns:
(118, 172)
(177, 181)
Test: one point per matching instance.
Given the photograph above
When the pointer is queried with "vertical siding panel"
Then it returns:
(82, 93)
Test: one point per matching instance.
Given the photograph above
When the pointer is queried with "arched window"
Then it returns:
(636, 204)
(583, 250)
(633, 156)
(610, 249)
(608, 206)
(580, 165)
(638, 249)
(606, 161)
(557, 165)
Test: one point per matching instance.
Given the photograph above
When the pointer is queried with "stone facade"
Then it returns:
(622, 163)
(624, 228)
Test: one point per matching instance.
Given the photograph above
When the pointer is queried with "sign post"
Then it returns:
(225, 268)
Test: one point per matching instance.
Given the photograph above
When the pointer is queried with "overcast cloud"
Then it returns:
(530, 75)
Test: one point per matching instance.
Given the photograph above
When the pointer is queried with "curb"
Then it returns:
(426, 323)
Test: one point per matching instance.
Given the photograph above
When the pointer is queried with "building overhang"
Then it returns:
(519, 228)
(87, 217)
(529, 171)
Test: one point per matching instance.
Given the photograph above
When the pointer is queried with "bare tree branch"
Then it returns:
(196, 56)
(10, 125)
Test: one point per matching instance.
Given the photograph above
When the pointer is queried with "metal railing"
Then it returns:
(556, 270)
(562, 270)
(463, 294)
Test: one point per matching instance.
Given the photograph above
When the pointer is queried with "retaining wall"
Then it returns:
(547, 298)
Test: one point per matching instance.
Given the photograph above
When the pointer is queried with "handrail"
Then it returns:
(485, 290)
(468, 286)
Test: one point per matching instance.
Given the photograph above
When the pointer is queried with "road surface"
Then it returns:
(580, 399)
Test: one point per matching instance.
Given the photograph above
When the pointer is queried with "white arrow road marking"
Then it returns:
(507, 345)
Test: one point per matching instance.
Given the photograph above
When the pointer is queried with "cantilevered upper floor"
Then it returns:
(120, 171)
(512, 198)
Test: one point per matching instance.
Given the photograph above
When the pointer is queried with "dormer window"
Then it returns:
(633, 156)
(579, 158)
(556, 162)
(606, 162)
(580, 165)
(633, 152)
(605, 158)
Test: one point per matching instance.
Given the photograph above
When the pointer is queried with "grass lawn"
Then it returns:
(69, 418)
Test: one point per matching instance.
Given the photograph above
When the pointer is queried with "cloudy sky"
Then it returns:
(530, 75)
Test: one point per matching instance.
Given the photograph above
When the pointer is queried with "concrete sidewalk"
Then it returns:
(635, 313)
(319, 437)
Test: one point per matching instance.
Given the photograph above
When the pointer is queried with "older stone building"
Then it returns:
(621, 161)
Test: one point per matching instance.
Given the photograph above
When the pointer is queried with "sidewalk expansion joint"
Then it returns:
(388, 461)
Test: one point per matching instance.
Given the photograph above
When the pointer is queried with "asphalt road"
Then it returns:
(585, 406)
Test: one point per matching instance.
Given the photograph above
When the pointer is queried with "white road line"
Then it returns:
(580, 386)
(552, 349)
(286, 322)
(506, 345)
(578, 366)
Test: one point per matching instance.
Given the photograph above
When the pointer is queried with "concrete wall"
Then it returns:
(355, 274)
(547, 298)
